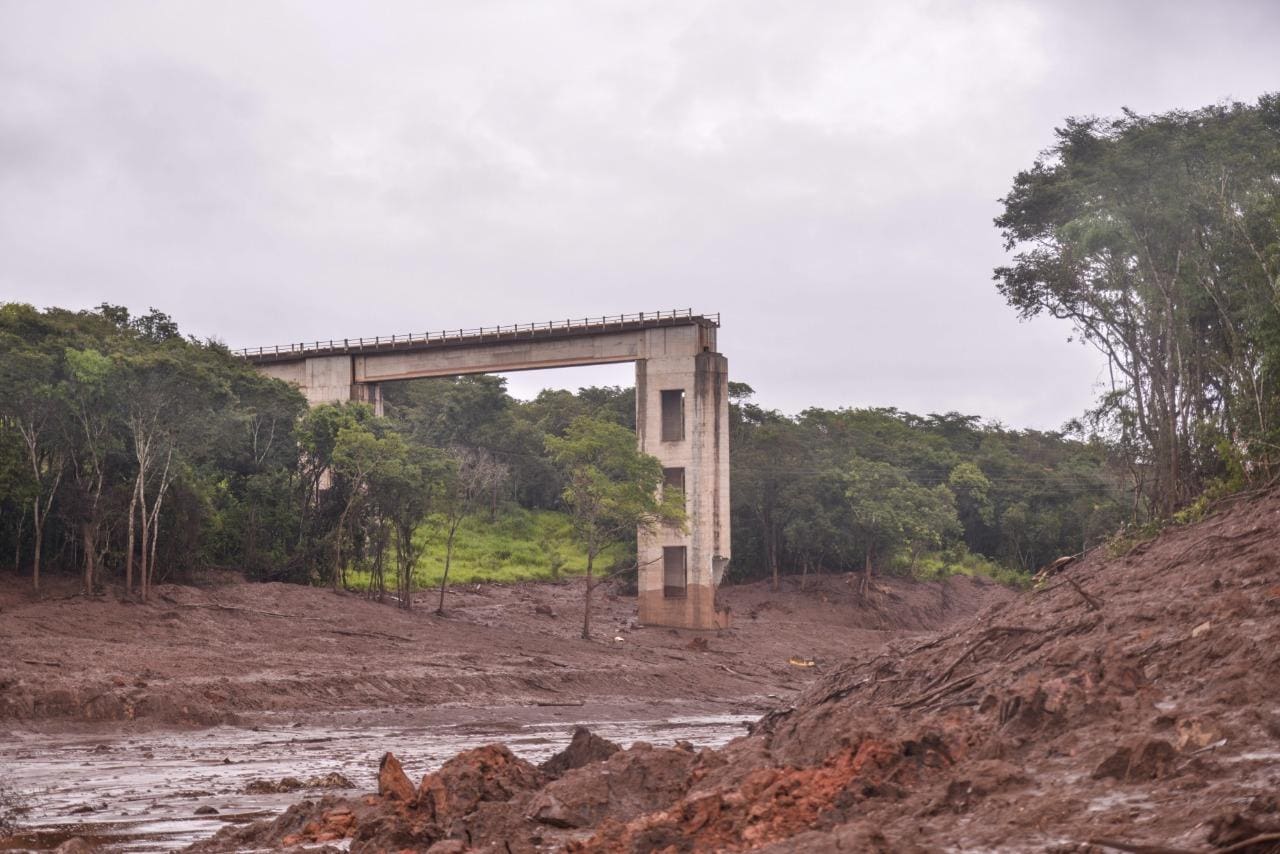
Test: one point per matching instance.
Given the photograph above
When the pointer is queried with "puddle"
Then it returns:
(144, 788)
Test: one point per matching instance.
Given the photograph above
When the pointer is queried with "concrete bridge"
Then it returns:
(682, 418)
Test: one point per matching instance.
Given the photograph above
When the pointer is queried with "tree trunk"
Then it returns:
(586, 610)
(17, 544)
(772, 547)
(866, 571)
(143, 570)
(37, 523)
(128, 560)
(448, 560)
(89, 539)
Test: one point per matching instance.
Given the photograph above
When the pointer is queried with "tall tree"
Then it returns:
(1155, 236)
(29, 402)
(613, 490)
(93, 416)
(887, 512)
(474, 476)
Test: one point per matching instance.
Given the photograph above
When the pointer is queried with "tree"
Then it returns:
(358, 455)
(167, 392)
(613, 490)
(405, 485)
(29, 378)
(1156, 237)
(974, 507)
(768, 450)
(888, 512)
(92, 432)
(474, 476)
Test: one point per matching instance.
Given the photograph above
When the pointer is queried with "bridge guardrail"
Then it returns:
(481, 333)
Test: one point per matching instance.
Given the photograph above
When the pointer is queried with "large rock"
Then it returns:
(489, 773)
(628, 783)
(392, 781)
(584, 749)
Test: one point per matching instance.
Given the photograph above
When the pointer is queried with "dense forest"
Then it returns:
(130, 453)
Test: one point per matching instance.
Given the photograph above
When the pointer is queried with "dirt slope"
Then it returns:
(1132, 704)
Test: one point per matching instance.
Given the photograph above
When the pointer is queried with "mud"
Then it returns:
(120, 720)
(141, 791)
(226, 651)
(1131, 704)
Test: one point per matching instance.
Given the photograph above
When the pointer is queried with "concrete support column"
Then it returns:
(327, 379)
(693, 445)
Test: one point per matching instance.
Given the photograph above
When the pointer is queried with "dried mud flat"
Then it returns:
(226, 651)
(119, 720)
(1130, 704)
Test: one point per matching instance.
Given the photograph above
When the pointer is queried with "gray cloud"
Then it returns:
(824, 175)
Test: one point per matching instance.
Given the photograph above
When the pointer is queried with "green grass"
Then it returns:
(520, 545)
(938, 565)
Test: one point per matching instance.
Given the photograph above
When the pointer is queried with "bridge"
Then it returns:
(682, 418)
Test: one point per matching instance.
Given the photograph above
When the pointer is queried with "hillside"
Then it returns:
(1131, 704)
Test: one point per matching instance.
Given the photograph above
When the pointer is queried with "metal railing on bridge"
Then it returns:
(482, 333)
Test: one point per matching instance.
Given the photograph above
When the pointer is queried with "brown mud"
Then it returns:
(224, 651)
(1130, 704)
(120, 720)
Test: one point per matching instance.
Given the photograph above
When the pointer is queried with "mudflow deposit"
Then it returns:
(1127, 704)
(1130, 704)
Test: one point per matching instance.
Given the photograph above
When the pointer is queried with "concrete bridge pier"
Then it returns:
(327, 379)
(682, 418)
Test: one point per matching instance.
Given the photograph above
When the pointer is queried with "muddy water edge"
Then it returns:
(138, 788)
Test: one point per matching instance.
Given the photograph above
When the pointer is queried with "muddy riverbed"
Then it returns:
(140, 790)
(119, 719)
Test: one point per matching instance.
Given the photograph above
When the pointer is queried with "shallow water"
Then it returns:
(142, 789)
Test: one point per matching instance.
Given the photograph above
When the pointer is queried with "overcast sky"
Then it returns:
(823, 174)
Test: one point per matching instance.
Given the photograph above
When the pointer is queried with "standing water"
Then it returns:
(140, 792)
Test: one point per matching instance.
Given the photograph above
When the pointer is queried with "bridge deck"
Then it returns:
(483, 335)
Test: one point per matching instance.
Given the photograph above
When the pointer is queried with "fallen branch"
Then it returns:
(42, 663)
(963, 682)
(367, 635)
(1140, 849)
(218, 606)
(983, 638)
(1250, 842)
(1094, 604)
(1242, 845)
(554, 703)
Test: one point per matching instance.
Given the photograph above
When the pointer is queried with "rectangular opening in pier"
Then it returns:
(673, 478)
(675, 571)
(672, 415)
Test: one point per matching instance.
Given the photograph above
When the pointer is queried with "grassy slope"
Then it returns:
(518, 546)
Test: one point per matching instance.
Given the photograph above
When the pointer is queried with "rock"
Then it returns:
(629, 783)
(75, 845)
(545, 610)
(489, 773)
(206, 810)
(392, 781)
(583, 749)
(1153, 760)
(448, 846)
(271, 787)
(1196, 734)
(332, 780)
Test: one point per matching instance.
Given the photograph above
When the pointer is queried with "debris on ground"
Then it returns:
(1136, 708)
